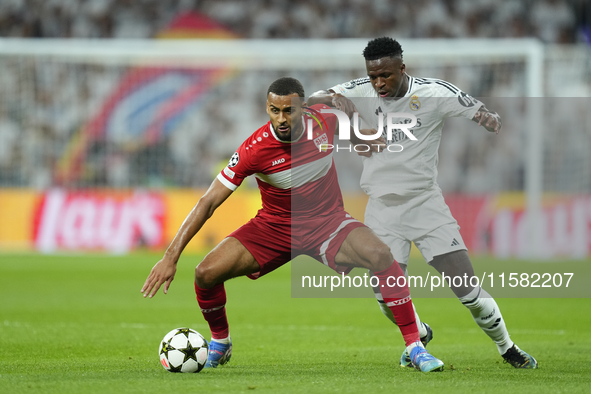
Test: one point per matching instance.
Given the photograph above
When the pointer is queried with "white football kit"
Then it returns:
(405, 202)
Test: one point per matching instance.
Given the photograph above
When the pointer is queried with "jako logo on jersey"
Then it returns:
(275, 162)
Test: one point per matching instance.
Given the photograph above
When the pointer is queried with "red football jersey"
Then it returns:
(296, 178)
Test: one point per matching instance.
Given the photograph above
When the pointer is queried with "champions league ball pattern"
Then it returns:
(183, 350)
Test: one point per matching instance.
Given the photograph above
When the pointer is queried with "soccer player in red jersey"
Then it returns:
(302, 213)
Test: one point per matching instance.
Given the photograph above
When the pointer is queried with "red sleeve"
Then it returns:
(241, 164)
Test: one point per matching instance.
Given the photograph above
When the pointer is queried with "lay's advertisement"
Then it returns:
(121, 221)
(111, 221)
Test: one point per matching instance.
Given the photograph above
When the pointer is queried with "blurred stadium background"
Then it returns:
(116, 115)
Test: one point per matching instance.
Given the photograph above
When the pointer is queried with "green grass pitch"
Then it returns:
(78, 324)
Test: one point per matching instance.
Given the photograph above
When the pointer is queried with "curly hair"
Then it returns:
(382, 47)
(285, 86)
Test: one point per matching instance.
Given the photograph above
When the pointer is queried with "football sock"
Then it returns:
(413, 345)
(487, 315)
(225, 341)
(420, 325)
(388, 313)
(397, 299)
(213, 306)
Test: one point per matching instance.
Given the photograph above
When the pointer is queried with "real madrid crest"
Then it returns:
(415, 104)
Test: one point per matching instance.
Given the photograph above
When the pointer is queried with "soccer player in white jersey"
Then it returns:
(302, 213)
(405, 203)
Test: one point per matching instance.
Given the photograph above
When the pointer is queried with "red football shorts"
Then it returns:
(274, 241)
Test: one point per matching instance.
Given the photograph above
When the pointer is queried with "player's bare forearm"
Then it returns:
(163, 272)
(201, 212)
(321, 97)
(332, 99)
(487, 119)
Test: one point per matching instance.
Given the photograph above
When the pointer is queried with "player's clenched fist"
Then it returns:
(489, 120)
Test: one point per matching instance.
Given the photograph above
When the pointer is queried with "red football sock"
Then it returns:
(212, 303)
(397, 298)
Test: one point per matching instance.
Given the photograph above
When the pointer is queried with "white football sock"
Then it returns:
(224, 341)
(420, 325)
(487, 315)
(413, 345)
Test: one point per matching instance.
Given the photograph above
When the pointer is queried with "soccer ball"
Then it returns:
(183, 350)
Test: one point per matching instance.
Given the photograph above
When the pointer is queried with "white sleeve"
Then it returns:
(226, 182)
(456, 103)
(360, 87)
(363, 95)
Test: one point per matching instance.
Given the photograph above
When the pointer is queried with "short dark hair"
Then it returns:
(382, 47)
(285, 86)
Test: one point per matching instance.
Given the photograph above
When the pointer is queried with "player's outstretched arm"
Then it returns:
(163, 272)
(340, 102)
(332, 99)
(487, 119)
(321, 97)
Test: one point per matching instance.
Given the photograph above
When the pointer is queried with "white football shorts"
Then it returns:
(424, 219)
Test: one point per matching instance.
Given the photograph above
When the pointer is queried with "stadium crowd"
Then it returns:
(554, 21)
(45, 104)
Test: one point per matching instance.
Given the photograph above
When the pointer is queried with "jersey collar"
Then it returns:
(411, 82)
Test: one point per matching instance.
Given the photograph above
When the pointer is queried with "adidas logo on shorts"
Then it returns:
(454, 242)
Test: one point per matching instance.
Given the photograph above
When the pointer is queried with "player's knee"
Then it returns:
(205, 276)
(381, 258)
(455, 263)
